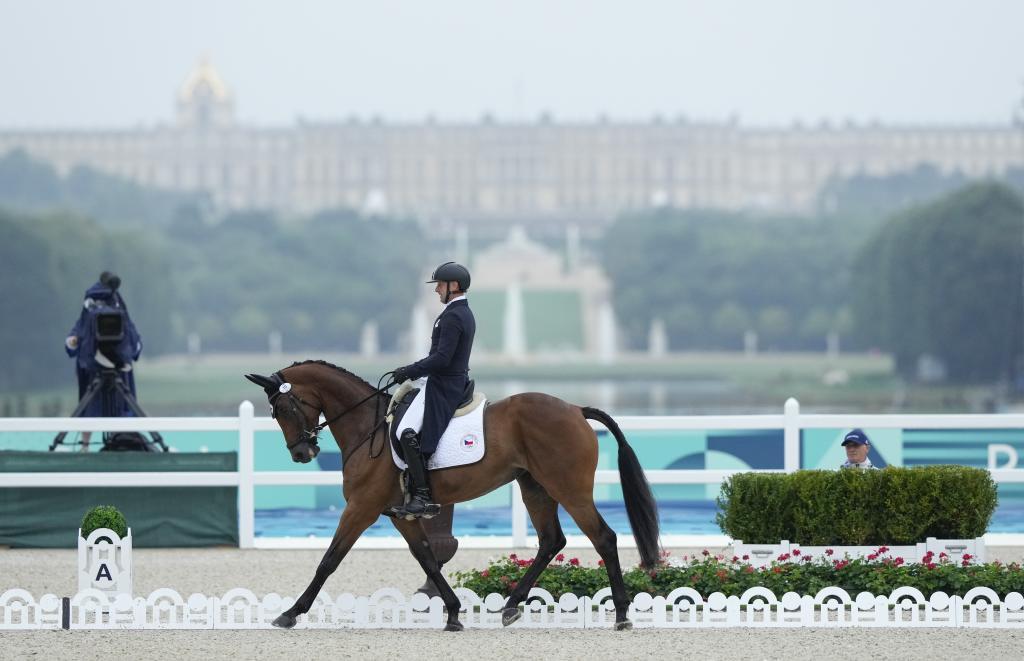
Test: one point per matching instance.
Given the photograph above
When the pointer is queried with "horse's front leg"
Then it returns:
(354, 520)
(416, 537)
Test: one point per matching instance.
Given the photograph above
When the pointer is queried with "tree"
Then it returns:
(877, 197)
(708, 273)
(946, 283)
(28, 185)
(34, 324)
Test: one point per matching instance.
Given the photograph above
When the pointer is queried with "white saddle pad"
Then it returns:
(462, 443)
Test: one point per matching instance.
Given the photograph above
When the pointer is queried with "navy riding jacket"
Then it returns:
(447, 365)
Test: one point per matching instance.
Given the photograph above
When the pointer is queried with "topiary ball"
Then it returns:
(104, 516)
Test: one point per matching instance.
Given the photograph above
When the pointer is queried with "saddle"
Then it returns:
(404, 397)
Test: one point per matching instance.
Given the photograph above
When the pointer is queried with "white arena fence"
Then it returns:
(791, 421)
(390, 609)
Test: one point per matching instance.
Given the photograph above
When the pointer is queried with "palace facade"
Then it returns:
(584, 173)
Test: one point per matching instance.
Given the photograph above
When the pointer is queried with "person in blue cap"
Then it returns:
(857, 447)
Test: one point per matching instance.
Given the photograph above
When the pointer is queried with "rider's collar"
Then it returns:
(460, 297)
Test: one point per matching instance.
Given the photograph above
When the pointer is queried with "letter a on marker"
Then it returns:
(104, 572)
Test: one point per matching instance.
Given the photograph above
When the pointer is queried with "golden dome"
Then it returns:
(204, 76)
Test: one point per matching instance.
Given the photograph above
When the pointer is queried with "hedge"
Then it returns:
(857, 507)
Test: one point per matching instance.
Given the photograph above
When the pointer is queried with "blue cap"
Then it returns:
(856, 437)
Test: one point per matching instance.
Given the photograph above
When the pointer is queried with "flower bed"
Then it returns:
(878, 573)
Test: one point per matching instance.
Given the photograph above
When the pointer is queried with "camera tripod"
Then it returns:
(108, 382)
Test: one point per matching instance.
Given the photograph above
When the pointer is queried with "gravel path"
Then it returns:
(215, 571)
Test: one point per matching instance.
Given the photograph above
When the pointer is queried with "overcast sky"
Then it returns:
(90, 63)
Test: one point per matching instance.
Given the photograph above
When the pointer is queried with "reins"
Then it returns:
(378, 421)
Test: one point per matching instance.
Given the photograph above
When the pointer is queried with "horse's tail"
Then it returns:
(640, 505)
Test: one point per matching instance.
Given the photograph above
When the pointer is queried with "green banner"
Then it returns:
(48, 517)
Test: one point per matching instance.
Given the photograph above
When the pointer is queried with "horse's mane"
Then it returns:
(340, 369)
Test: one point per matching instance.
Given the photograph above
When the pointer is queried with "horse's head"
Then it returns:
(290, 406)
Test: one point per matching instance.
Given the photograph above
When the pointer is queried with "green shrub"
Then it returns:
(760, 501)
(880, 573)
(104, 516)
(857, 507)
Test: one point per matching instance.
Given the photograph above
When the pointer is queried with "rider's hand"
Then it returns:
(401, 374)
(71, 342)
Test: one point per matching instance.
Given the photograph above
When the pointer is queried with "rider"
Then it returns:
(447, 365)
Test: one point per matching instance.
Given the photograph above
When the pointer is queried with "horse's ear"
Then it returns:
(261, 381)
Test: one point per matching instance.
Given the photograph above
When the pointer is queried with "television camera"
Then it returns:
(105, 345)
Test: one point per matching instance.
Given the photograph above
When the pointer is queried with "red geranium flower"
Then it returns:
(560, 557)
(796, 552)
(575, 562)
(829, 551)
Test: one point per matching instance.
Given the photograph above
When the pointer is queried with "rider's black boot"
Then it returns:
(420, 503)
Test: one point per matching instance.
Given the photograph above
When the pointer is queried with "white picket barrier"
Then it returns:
(390, 609)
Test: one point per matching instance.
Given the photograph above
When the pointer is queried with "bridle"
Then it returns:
(279, 387)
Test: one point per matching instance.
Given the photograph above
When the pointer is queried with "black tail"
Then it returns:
(640, 505)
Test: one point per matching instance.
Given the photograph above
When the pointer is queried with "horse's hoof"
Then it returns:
(284, 621)
(510, 615)
(454, 625)
(625, 625)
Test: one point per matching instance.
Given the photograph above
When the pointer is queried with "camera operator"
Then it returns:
(104, 339)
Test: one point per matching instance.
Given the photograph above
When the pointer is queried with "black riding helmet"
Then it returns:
(451, 271)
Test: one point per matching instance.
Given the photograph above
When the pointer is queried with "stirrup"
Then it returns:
(426, 510)
(430, 510)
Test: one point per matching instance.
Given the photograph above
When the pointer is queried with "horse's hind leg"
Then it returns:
(593, 525)
(543, 511)
(419, 545)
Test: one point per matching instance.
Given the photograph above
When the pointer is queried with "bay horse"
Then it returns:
(542, 442)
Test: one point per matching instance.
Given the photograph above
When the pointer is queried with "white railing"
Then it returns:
(247, 478)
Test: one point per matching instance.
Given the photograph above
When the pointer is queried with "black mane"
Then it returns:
(340, 369)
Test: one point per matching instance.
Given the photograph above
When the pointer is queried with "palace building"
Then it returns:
(574, 172)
